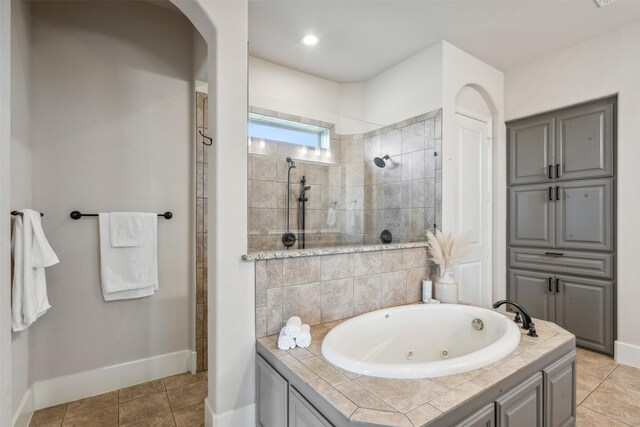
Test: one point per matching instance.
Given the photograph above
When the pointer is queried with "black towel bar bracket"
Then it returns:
(78, 215)
(14, 213)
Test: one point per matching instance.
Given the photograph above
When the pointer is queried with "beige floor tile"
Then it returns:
(48, 416)
(188, 395)
(140, 390)
(594, 368)
(587, 381)
(598, 358)
(91, 405)
(600, 402)
(182, 379)
(588, 418)
(104, 417)
(627, 376)
(163, 420)
(191, 416)
(144, 409)
(620, 392)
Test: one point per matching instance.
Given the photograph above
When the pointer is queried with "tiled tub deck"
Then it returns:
(413, 402)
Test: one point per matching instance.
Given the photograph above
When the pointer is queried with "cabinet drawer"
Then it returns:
(567, 262)
(272, 396)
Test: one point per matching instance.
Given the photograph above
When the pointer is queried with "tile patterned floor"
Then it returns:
(608, 394)
(176, 401)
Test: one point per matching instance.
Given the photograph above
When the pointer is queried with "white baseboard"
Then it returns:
(24, 411)
(194, 362)
(627, 354)
(84, 384)
(241, 417)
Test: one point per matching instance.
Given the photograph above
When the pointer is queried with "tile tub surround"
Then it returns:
(404, 197)
(413, 402)
(331, 287)
(202, 158)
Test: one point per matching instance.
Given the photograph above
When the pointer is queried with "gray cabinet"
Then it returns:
(531, 215)
(272, 395)
(560, 392)
(584, 215)
(522, 406)
(534, 290)
(584, 307)
(584, 142)
(578, 304)
(485, 417)
(531, 151)
(302, 413)
(561, 219)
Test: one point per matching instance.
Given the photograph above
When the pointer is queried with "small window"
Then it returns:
(287, 131)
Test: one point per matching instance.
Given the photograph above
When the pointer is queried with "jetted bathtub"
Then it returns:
(421, 341)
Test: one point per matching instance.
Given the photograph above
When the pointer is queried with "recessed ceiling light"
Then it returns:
(310, 40)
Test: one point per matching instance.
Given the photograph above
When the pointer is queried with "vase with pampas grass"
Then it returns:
(446, 250)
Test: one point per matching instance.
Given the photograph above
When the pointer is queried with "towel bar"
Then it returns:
(14, 213)
(78, 215)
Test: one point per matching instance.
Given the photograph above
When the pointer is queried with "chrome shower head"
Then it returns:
(380, 162)
(292, 164)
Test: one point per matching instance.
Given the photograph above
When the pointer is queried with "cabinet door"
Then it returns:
(560, 392)
(272, 395)
(584, 142)
(522, 406)
(584, 307)
(302, 414)
(531, 216)
(485, 417)
(584, 215)
(531, 151)
(534, 291)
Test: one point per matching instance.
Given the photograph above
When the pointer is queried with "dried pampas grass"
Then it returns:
(446, 250)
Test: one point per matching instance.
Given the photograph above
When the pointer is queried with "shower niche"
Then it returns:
(323, 184)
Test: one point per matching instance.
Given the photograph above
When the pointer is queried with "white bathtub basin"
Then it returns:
(420, 341)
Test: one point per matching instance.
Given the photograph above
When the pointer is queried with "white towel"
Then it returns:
(285, 342)
(304, 339)
(129, 272)
(331, 217)
(292, 328)
(127, 229)
(31, 254)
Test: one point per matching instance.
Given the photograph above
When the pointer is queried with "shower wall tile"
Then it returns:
(372, 147)
(412, 141)
(394, 260)
(392, 142)
(352, 151)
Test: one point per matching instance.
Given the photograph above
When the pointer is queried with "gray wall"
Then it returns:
(21, 169)
(112, 129)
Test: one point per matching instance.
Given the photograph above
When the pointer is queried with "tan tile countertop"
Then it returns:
(405, 402)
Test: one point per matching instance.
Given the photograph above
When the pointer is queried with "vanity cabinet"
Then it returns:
(559, 398)
(561, 210)
(485, 417)
(272, 394)
(522, 406)
(578, 304)
(302, 414)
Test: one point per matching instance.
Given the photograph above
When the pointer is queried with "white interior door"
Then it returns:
(474, 208)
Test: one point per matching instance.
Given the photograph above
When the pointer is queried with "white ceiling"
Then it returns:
(360, 39)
